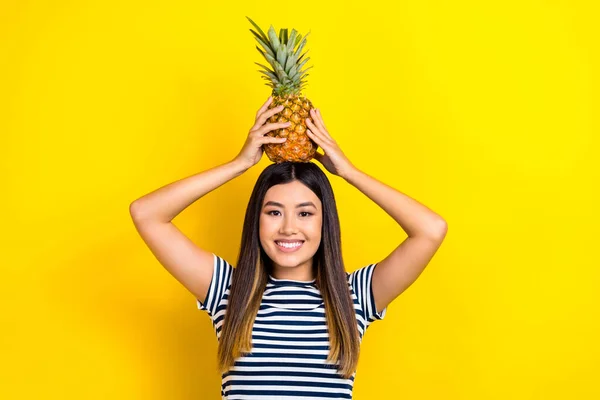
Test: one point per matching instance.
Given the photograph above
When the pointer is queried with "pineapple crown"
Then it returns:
(285, 75)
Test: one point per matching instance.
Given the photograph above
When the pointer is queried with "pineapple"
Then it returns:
(286, 80)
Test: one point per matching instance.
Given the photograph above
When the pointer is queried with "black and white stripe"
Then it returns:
(290, 342)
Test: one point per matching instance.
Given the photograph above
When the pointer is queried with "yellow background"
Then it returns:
(486, 112)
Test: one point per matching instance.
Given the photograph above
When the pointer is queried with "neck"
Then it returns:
(302, 272)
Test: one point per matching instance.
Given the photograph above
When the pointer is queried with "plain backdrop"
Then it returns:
(486, 112)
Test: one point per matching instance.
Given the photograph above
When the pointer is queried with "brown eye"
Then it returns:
(301, 212)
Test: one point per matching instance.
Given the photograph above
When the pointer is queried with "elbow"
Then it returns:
(436, 230)
(135, 210)
(440, 229)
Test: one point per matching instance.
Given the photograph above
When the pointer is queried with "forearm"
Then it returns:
(414, 218)
(167, 202)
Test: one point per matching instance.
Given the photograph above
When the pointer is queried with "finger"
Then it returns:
(316, 114)
(320, 117)
(271, 127)
(316, 131)
(268, 139)
(316, 119)
(262, 118)
(317, 139)
(272, 111)
(264, 106)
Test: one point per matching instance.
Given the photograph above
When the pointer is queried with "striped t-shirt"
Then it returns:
(290, 341)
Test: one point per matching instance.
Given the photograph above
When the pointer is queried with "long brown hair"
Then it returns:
(249, 281)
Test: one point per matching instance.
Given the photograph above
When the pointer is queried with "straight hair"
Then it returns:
(250, 277)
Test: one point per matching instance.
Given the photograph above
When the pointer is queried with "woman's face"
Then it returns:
(291, 213)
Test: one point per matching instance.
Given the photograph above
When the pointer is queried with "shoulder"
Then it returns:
(361, 275)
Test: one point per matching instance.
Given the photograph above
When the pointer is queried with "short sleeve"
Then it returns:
(220, 282)
(361, 281)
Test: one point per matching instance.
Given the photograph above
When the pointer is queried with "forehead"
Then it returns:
(291, 194)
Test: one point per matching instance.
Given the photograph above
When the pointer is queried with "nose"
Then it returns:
(288, 227)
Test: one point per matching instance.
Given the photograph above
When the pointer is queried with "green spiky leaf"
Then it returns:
(290, 44)
(265, 67)
(278, 70)
(281, 56)
(290, 62)
(268, 74)
(300, 59)
(302, 63)
(273, 38)
(264, 37)
(261, 51)
(256, 35)
(271, 60)
(283, 36)
(302, 44)
(273, 80)
(284, 53)
(261, 41)
(293, 73)
(266, 47)
(304, 71)
(298, 38)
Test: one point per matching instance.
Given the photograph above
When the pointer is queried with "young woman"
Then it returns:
(289, 319)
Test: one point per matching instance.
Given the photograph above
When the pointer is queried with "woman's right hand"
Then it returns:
(252, 151)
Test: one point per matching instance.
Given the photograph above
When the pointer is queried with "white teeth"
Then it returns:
(289, 245)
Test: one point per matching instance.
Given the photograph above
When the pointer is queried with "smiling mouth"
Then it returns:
(287, 247)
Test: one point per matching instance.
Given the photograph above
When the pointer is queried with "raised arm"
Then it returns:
(426, 229)
(152, 214)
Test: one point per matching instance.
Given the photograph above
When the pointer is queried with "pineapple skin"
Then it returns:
(298, 147)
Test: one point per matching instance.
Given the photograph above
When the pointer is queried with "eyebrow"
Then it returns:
(274, 203)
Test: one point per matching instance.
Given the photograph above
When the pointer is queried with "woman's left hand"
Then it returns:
(334, 159)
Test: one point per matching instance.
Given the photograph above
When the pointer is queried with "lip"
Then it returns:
(291, 250)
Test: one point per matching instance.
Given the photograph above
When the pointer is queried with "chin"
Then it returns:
(275, 254)
(283, 256)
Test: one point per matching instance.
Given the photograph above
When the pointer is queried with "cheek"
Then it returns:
(315, 231)
(265, 226)
(266, 230)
